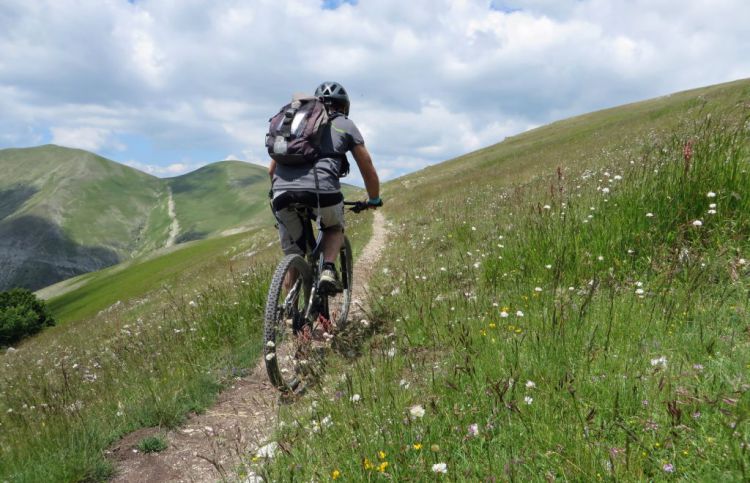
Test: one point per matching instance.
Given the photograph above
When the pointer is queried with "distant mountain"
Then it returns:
(65, 211)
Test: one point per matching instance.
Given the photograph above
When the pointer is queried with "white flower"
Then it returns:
(391, 352)
(548, 267)
(270, 344)
(711, 212)
(404, 384)
(192, 303)
(267, 451)
(355, 398)
(537, 289)
(742, 261)
(600, 258)
(530, 384)
(547, 207)
(605, 190)
(712, 206)
(618, 177)
(659, 361)
(711, 194)
(503, 314)
(528, 399)
(697, 223)
(440, 468)
(416, 411)
(270, 356)
(649, 215)
(519, 313)
(473, 430)
(639, 291)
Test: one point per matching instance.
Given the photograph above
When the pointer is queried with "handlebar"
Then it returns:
(358, 206)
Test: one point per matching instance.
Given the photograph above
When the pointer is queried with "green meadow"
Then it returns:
(568, 305)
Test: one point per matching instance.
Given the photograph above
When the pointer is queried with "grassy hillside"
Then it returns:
(141, 344)
(64, 211)
(570, 304)
(219, 196)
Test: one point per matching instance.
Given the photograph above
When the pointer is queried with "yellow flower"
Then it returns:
(483, 332)
(381, 455)
(335, 474)
(383, 466)
(417, 446)
(492, 325)
(505, 309)
(519, 330)
(367, 464)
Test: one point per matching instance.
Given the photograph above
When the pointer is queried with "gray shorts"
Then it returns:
(290, 226)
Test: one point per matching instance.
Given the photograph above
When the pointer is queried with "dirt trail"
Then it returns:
(174, 226)
(209, 446)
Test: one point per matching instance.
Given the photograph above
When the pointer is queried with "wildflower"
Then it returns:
(697, 223)
(492, 325)
(712, 206)
(192, 303)
(537, 289)
(600, 258)
(696, 414)
(639, 291)
(355, 398)
(618, 177)
(403, 384)
(698, 367)
(548, 267)
(519, 313)
(530, 384)
(440, 468)
(391, 352)
(711, 194)
(659, 361)
(270, 356)
(335, 474)
(503, 314)
(528, 400)
(367, 464)
(270, 344)
(382, 455)
(416, 411)
(417, 446)
(711, 212)
(742, 261)
(668, 468)
(649, 215)
(547, 207)
(605, 190)
(382, 466)
(473, 430)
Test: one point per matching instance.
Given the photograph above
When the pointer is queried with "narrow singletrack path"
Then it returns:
(209, 447)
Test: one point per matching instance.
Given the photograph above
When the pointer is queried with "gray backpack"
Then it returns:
(293, 136)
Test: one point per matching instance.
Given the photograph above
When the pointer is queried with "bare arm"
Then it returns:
(272, 168)
(366, 168)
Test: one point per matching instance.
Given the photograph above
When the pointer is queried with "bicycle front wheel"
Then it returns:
(338, 304)
(284, 321)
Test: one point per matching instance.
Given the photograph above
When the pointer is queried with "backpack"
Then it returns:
(293, 136)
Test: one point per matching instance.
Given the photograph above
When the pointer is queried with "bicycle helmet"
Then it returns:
(333, 93)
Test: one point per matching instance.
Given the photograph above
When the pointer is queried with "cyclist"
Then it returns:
(317, 185)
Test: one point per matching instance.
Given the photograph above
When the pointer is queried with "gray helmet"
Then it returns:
(333, 92)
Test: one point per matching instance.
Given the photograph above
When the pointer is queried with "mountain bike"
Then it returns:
(297, 311)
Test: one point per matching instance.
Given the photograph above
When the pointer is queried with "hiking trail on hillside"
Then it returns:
(174, 226)
(210, 446)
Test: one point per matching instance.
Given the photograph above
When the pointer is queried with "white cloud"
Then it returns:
(205, 76)
(174, 169)
(88, 138)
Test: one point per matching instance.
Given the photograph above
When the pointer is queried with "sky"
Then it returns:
(168, 86)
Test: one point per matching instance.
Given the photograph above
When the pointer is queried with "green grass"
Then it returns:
(190, 322)
(555, 331)
(153, 444)
(102, 289)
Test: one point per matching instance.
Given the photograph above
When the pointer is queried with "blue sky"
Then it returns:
(169, 86)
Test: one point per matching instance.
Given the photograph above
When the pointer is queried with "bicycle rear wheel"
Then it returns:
(337, 305)
(284, 321)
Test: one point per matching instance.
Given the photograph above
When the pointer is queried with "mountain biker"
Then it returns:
(317, 185)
